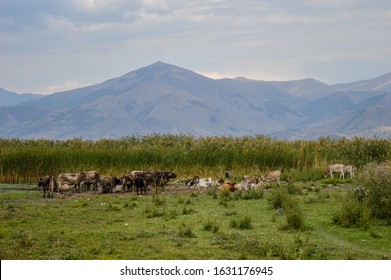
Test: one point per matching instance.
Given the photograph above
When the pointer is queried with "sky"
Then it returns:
(48, 46)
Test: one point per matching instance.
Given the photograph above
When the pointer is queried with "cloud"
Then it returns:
(68, 85)
(93, 39)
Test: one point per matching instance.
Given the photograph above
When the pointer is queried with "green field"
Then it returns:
(308, 218)
(184, 224)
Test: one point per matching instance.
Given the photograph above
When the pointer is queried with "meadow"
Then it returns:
(186, 225)
(307, 218)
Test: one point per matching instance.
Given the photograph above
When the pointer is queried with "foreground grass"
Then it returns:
(182, 225)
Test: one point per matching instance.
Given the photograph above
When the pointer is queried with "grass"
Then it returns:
(182, 225)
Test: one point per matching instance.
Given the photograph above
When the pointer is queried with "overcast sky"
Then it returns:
(48, 46)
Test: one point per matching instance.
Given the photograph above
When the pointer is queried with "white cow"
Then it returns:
(65, 180)
(336, 168)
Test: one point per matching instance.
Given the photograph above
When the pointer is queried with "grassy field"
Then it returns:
(309, 218)
(187, 224)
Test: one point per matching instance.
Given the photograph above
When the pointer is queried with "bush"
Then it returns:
(374, 186)
(295, 218)
(351, 212)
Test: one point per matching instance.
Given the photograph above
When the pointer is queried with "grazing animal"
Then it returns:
(48, 184)
(349, 169)
(336, 168)
(272, 176)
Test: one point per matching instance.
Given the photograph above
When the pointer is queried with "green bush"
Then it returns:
(351, 212)
(374, 186)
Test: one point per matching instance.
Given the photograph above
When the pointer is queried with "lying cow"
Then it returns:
(193, 182)
(272, 176)
(336, 168)
(198, 182)
(48, 184)
(228, 185)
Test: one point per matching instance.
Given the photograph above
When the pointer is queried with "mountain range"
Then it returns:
(164, 98)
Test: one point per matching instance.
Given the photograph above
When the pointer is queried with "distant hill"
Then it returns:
(9, 98)
(163, 98)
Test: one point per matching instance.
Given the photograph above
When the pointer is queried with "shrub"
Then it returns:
(351, 212)
(278, 195)
(241, 223)
(295, 218)
(374, 186)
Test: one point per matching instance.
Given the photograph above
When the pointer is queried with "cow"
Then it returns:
(140, 184)
(193, 182)
(336, 168)
(87, 177)
(349, 169)
(272, 176)
(105, 184)
(205, 182)
(127, 182)
(48, 184)
(249, 182)
(228, 185)
(65, 180)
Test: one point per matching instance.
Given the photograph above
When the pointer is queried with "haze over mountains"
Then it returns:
(163, 98)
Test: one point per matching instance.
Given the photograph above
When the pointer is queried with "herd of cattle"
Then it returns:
(140, 181)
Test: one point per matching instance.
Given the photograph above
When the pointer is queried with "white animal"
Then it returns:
(336, 168)
(349, 169)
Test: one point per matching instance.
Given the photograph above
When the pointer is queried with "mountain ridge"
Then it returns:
(164, 98)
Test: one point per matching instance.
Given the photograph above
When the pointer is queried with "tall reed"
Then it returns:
(25, 160)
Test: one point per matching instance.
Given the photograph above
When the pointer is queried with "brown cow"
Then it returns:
(272, 176)
(228, 185)
(48, 184)
(85, 178)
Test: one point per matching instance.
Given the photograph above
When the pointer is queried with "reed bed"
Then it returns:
(22, 161)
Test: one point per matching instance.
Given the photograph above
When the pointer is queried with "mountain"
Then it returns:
(381, 83)
(163, 98)
(8, 98)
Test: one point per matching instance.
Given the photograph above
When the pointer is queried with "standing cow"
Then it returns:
(336, 168)
(48, 184)
(87, 177)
